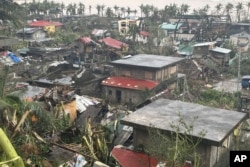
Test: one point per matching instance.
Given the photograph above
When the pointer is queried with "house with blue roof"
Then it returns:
(169, 28)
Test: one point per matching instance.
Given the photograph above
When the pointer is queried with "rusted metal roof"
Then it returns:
(144, 33)
(113, 43)
(129, 83)
(42, 23)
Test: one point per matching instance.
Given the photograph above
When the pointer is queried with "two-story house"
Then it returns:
(135, 76)
(123, 25)
(86, 48)
(173, 116)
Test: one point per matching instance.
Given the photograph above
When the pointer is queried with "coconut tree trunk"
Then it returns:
(24, 116)
(9, 150)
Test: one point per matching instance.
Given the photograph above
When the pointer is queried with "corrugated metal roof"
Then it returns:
(144, 33)
(98, 32)
(147, 60)
(170, 26)
(185, 49)
(28, 30)
(217, 123)
(130, 83)
(130, 158)
(86, 40)
(221, 50)
(113, 43)
(205, 44)
(82, 102)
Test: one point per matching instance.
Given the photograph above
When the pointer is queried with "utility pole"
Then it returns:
(242, 42)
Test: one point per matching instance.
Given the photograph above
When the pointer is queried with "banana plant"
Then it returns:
(95, 140)
(8, 149)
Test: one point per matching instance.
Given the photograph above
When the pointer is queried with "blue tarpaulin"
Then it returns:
(14, 57)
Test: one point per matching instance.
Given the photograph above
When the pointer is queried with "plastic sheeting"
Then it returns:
(14, 57)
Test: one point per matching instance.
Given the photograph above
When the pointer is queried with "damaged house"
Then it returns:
(113, 49)
(136, 76)
(86, 49)
(164, 115)
(31, 34)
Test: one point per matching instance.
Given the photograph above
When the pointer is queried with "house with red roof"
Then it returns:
(48, 26)
(114, 44)
(86, 47)
(136, 77)
(141, 37)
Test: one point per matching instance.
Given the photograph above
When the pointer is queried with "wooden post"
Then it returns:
(9, 150)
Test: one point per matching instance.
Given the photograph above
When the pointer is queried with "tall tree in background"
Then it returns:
(123, 10)
(229, 8)
(102, 8)
(81, 9)
(116, 8)
(248, 7)
(128, 11)
(218, 8)
(109, 12)
(239, 7)
(9, 11)
(90, 7)
(184, 9)
(141, 8)
(98, 8)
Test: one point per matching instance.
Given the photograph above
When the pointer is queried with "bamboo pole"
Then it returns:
(9, 150)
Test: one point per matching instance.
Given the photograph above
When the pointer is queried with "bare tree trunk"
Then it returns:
(24, 116)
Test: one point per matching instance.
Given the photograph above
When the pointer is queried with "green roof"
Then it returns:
(185, 49)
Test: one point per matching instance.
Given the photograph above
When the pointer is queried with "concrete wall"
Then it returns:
(200, 51)
(127, 96)
(234, 40)
(210, 156)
